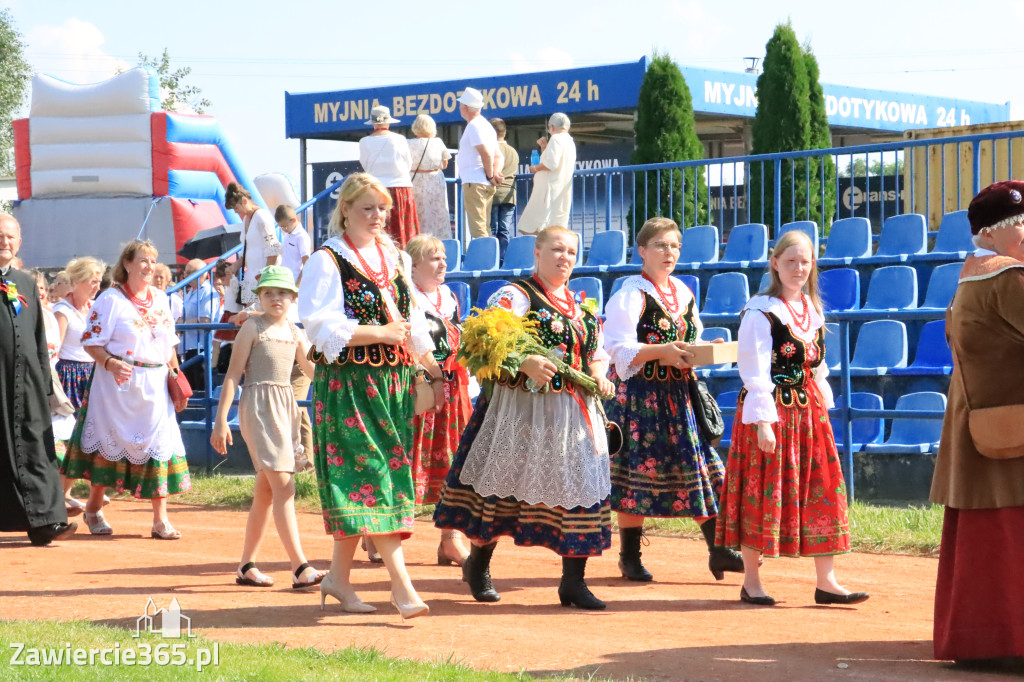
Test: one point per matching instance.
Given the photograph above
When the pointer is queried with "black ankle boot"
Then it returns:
(720, 559)
(629, 555)
(572, 590)
(477, 572)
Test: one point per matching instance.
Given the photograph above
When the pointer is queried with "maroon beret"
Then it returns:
(996, 203)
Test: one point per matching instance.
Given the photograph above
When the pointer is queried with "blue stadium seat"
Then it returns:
(902, 236)
(808, 227)
(833, 358)
(592, 287)
(462, 295)
(487, 289)
(727, 294)
(849, 239)
(942, 286)
(481, 256)
(865, 431)
(727, 400)
(909, 436)
(700, 245)
(893, 287)
(840, 289)
(766, 280)
(518, 256)
(616, 285)
(953, 242)
(452, 254)
(747, 244)
(881, 345)
(607, 250)
(692, 283)
(933, 356)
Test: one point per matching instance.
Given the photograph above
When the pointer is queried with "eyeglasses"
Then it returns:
(665, 247)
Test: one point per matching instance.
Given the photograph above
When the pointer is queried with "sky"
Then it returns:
(245, 56)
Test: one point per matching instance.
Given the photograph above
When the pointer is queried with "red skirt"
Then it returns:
(979, 595)
(403, 224)
(791, 502)
(436, 437)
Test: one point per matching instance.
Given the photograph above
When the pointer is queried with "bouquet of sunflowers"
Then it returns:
(496, 340)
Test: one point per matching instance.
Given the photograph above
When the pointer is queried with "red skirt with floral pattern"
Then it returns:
(791, 502)
(403, 224)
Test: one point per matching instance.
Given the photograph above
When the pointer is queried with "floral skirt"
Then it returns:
(436, 437)
(575, 532)
(791, 502)
(403, 224)
(361, 434)
(74, 379)
(665, 467)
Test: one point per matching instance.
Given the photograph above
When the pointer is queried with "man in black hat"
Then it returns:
(31, 496)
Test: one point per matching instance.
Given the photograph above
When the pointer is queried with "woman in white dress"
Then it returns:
(429, 157)
(551, 197)
(385, 155)
(260, 245)
(128, 438)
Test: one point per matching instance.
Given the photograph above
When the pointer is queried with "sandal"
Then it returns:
(164, 531)
(97, 524)
(260, 580)
(298, 583)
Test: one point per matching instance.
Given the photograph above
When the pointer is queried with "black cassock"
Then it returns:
(30, 490)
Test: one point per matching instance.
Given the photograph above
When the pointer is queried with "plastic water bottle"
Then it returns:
(534, 158)
(125, 385)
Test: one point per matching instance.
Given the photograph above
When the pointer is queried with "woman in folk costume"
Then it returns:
(784, 491)
(534, 465)
(356, 303)
(666, 467)
(979, 471)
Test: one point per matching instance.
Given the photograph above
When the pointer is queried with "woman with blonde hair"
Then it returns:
(75, 365)
(784, 492)
(429, 157)
(436, 435)
(127, 435)
(356, 304)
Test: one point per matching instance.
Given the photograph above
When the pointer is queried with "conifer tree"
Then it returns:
(666, 131)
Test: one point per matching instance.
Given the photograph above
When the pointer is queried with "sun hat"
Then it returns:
(472, 98)
(277, 276)
(999, 205)
(380, 114)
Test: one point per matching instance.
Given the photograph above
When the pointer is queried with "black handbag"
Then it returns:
(706, 411)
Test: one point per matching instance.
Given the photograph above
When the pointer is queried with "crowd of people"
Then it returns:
(532, 459)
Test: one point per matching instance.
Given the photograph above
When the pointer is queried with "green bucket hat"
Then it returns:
(277, 276)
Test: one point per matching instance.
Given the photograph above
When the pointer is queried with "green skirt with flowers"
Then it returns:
(362, 434)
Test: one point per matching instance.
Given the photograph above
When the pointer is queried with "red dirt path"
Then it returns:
(683, 626)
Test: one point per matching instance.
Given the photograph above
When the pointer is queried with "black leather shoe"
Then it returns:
(756, 601)
(823, 597)
(573, 590)
(44, 535)
(476, 571)
(629, 555)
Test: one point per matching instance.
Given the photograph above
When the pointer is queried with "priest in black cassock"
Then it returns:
(31, 496)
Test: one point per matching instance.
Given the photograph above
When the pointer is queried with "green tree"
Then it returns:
(15, 74)
(666, 131)
(791, 117)
(177, 95)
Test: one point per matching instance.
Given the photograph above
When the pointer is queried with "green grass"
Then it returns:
(876, 528)
(237, 662)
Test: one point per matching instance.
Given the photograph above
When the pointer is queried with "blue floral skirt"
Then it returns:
(665, 467)
(576, 532)
(74, 379)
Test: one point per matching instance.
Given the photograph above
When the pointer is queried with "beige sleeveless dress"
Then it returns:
(267, 412)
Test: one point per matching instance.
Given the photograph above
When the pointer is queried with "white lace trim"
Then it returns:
(137, 448)
(625, 366)
(338, 339)
(426, 301)
(641, 283)
(770, 304)
(537, 448)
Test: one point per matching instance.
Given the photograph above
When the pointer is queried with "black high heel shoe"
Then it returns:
(823, 597)
(756, 601)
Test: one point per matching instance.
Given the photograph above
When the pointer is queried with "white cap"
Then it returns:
(472, 98)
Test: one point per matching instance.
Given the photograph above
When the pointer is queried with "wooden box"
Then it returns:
(714, 353)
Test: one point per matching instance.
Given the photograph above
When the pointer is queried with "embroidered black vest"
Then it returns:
(364, 303)
(655, 326)
(793, 361)
(446, 334)
(555, 329)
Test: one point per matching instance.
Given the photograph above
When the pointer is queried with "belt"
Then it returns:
(136, 363)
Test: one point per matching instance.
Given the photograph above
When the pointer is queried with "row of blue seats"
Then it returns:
(903, 238)
(892, 287)
(906, 436)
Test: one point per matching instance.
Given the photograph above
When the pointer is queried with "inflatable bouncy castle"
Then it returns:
(98, 165)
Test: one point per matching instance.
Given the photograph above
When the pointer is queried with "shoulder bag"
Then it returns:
(706, 411)
(997, 432)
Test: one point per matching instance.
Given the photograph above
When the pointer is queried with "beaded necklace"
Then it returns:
(802, 321)
(673, 307)
(381, 279)
(566, 306)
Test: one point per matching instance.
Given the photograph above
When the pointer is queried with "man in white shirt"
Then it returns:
(201, 305)
(479, 163)
(296, 242)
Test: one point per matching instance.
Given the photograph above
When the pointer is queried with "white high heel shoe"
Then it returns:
(350, 603)
(409, 611)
